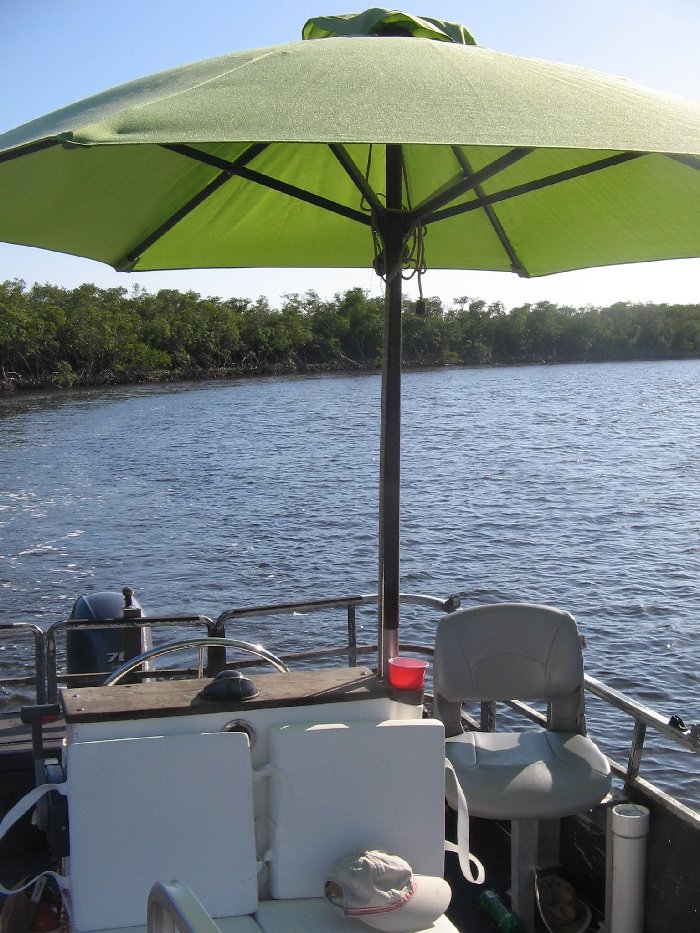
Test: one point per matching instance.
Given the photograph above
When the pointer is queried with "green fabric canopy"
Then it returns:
(96, 179)
(357, 150)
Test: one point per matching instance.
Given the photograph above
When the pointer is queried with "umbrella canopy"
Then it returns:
(527, 165)
(403, 144)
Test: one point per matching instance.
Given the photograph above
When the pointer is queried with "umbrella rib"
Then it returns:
(689, 160)
(356, 176)
(463, 184)
(515, 263)
(275, 184)
(507, 193)
(127, 263)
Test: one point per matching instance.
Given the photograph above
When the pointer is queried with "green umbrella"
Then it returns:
(389, 140)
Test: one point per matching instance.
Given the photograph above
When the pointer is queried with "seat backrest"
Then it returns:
(344, 787)
(509, 651)
(151, 809)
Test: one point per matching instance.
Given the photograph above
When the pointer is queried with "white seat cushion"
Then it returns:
(316, 915)
(237, 925)
(344, 787)
(156, 808)
(524, 775)
(225, 924)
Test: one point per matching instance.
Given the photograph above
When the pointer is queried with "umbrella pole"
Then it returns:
(390, 445)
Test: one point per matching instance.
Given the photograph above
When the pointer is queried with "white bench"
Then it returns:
(182, 807)
(173, 908)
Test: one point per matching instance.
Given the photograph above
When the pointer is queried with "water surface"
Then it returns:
(573, 485)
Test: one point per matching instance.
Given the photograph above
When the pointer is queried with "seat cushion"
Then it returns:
(237, 925)
(316, 915)
(525, 775)
(342, 787)
(181, 806)
(225, 924)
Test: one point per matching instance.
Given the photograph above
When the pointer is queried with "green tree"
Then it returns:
(29, 332)
(56, 336)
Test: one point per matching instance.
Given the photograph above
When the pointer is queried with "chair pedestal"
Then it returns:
(523, 862)
(534, 846)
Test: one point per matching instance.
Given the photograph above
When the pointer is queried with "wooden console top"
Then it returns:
(181, 697)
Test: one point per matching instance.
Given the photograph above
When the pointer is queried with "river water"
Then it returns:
(573, 485)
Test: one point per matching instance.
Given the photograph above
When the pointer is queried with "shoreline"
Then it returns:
(10, 387)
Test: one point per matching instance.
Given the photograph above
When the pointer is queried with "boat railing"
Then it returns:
(643, 718)
(216, 628)
(47, 676)
(39, 680)
(54, 677)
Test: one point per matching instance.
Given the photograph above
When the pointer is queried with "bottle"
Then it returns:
(499, 913)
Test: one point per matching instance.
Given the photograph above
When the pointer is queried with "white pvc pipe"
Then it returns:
(629, 825)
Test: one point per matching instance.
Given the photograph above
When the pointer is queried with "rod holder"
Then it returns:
(628, 826)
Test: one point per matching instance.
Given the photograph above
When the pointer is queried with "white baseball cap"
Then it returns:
(381, 890)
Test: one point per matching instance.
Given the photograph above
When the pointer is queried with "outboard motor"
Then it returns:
(88, 652)
(106, 648)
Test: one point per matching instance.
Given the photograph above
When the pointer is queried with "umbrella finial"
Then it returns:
(382, 22)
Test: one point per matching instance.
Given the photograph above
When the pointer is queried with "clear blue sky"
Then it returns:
(53, 52)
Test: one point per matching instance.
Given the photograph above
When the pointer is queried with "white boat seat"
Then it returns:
(245, 924)
(527, 652)
(337, 788)
(173, 908)
(316, 915)
(180, 805)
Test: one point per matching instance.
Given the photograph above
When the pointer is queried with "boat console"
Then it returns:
(247, 803)
(176, 706)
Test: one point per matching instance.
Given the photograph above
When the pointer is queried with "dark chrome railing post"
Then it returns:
(51, 666)
(488, 716)
(352, 637)
(636, 750)
(40, 665)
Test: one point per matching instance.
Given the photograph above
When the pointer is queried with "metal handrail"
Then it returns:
(40, 673)
(81, 625)
(643, 716)
(201, 644)
(46, 675)
(334, 602)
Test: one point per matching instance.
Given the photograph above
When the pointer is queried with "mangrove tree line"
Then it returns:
(52, 336)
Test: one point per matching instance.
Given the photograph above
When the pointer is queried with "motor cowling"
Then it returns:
(103, 650)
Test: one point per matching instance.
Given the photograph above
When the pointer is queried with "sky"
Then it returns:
(55, 52)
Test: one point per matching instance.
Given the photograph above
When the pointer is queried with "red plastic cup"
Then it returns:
(407, 673)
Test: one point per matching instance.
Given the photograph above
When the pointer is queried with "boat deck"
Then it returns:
(673, 865)
(24, 853)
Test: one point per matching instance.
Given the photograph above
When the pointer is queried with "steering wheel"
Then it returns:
(201, 644)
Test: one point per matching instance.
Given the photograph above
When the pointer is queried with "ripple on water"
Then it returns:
(575, 485)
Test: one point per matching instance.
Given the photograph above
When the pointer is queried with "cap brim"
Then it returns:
(430, 901)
